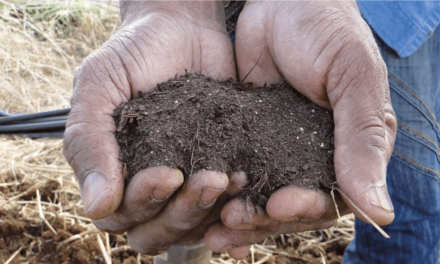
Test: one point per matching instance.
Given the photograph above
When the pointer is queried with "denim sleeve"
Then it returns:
(413, 176)
(402, 25)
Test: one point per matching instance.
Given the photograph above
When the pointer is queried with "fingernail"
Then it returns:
(94, 185)
(378, 196)
(161, 194)
(208, 196)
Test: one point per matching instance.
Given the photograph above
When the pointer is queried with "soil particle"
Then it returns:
(273, 133)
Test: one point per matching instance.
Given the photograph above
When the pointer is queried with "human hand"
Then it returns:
(155, 41)
(327, 52)
(243, 225)
(180, 220)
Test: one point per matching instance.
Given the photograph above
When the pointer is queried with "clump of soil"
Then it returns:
(274, 134)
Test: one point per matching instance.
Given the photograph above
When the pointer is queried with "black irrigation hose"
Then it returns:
(17, 118)
(37, 125)
(3, 113)
(43, 120)
(32, 127)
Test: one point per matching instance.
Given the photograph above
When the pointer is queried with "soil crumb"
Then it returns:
(273, 133)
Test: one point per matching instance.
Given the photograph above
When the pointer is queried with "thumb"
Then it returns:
(362, 150)
(90, 145)
(365, 130)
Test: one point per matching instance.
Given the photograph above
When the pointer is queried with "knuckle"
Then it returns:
(374, 134)
(72, 146)
(68, 152)
(369, 125)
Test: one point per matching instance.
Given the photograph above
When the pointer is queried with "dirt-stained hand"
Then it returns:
(155, 41)
(242, 226)
(327, 52)
(189, 214)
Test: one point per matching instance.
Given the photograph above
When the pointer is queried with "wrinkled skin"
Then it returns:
(327, 52)
(155, 42)
(324, 49)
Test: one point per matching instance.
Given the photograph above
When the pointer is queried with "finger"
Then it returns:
(239, 252)
(303, 205)
(235, 215)
(237, 182)
(219, 237)
(365, 129)
(288, 204)
(241, 228)
(184, 212)
(90, 146)
(144, 196)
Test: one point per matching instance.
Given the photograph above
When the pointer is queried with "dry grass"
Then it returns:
(41, 47)
(39, 196)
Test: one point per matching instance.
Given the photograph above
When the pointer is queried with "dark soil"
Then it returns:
(38, 244)
(274, 134)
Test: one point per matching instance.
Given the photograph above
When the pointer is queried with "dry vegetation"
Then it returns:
(41, 216)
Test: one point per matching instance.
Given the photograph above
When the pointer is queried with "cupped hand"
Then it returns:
(327, 52)
(189, 214)
(155, 41)
(290, 210)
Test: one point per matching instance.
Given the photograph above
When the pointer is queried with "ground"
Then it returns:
(41, 215)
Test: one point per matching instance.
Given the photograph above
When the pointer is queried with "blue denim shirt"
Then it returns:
(402, 25)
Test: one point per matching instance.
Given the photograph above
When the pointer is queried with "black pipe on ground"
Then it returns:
(33, 127)
(24, 117)
(43, 120)
(36, 125)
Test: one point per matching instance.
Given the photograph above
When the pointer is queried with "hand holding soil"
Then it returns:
(331, 58)
(192, 123)
(155, 41)
(327, 52)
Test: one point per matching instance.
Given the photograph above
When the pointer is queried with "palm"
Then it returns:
(301, 41)
(157, 48)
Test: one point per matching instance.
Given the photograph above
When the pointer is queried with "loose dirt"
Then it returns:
(273, 133)
(37, 243)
